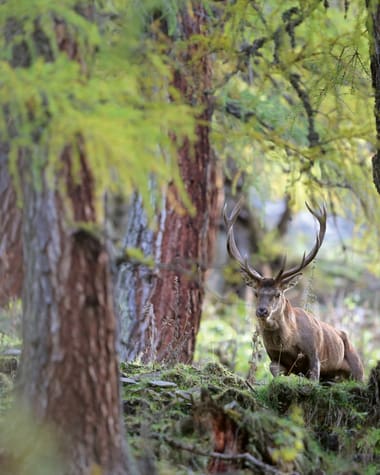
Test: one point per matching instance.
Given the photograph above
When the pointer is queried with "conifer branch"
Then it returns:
(312, 136)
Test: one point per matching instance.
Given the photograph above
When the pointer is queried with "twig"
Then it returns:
(246, 457)
(312, 136)
(299, 356)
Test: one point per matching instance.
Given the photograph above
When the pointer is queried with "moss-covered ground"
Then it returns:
(188, 420)
(181, 420)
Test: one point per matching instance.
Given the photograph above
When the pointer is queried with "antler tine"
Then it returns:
(232, 248)
(282, 269)
(251, 271)
(321, 217)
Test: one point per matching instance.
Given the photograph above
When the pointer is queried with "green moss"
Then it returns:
(6, 388)
(184, 376)
(244, 398)
(328, 405)
(8, 365)
(291, 423)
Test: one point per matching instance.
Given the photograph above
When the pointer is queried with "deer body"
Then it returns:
(295, 340)
(299, 343)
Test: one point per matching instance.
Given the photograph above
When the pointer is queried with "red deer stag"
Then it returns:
(296, 341)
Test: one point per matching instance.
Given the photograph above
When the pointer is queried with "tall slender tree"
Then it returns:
(160, 305)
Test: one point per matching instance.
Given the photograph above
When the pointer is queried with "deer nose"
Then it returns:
(262, 312)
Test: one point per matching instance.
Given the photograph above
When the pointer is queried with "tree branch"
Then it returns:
(236, 110)
(246, 457)
(312, 136)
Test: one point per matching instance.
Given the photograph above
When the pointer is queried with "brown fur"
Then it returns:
(299, 343)
(295, 340)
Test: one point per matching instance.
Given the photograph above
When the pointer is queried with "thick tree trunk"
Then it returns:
(11, 264)
(69, 370)
(69, 375)
(160, 307)
(373, 24)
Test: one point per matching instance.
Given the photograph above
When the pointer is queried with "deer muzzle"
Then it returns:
(262, 312)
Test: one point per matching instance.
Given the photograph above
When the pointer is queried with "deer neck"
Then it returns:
(282, 320)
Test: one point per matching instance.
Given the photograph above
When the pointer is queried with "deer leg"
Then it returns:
(314, 367)
(277, 368)
(352, 360)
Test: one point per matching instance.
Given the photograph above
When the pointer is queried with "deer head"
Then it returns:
(269, 292)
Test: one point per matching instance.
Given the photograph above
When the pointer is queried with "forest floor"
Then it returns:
(188, 420)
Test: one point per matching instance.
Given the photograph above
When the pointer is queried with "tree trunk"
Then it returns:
(11, 265)
(69, 366)
(160, 307)
(69, 374)
(373, 24)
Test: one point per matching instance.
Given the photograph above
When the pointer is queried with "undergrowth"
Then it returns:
(182, 420)
(290, 425)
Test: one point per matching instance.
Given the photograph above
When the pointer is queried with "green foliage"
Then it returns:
(295, 106)
(370, 442)
(283, 439)
(110, 104)
(225, 336)
(332, 400)
(18, 26)
(303, 99)
(305, 108)
(291, 424)
(337, 414)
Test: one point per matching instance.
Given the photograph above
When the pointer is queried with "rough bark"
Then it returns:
(69, 366)
(160, 307)
(226, 437)
(69, 373)
(11, 264)
(373, 24)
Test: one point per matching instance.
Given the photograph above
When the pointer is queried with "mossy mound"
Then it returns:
(187, 416)
(344, 403)
(188, 420)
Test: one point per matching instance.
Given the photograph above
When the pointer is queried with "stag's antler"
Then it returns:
(232, 248)
(285, 276)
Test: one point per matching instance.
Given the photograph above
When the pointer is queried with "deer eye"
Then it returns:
(255, 293)
(277, 294)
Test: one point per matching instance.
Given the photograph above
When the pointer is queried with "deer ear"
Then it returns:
(291, 282)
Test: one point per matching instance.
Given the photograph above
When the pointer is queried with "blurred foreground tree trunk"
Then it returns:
(160, 306)
(69, 367)
(69, 374)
